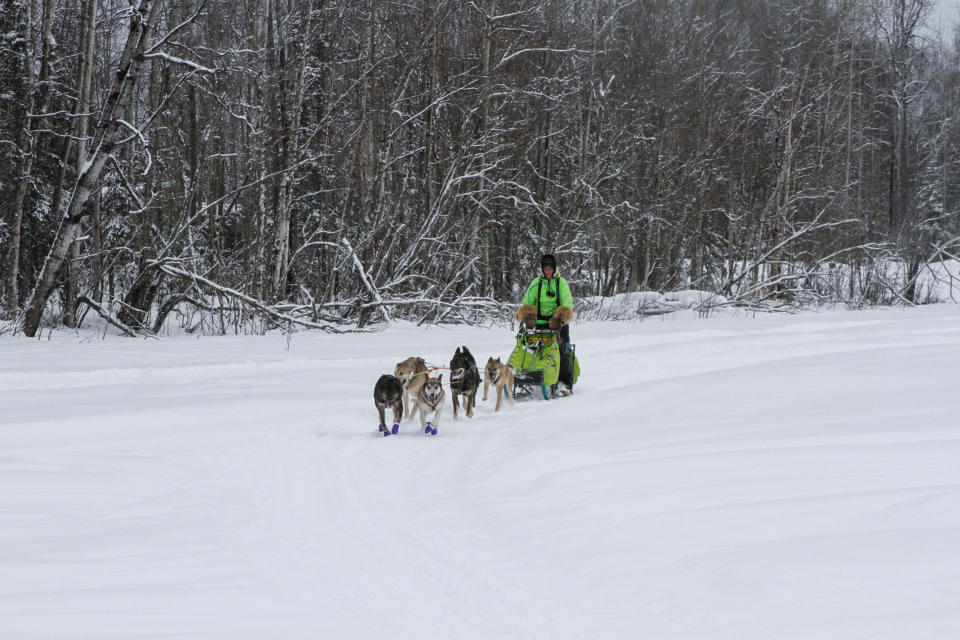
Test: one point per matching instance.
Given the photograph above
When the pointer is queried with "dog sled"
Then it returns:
(536, 360)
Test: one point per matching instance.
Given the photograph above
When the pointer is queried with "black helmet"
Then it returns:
(548, 261)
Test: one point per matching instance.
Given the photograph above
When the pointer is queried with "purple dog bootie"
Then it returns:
(396, 428)
(382, 428)
(429, 429)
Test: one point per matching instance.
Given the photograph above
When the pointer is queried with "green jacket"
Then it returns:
(554, 293)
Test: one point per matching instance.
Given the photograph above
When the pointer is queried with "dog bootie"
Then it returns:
(396, 428)
(430, 429)
(382, 428)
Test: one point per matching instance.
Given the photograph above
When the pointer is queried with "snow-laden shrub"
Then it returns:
(638, 304)
(694, 299)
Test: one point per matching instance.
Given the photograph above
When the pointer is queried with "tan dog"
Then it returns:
(412, 375)
(500, 376)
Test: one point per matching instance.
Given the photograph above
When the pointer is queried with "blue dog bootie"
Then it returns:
(396, 428)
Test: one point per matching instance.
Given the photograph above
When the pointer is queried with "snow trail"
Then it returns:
(728, 477)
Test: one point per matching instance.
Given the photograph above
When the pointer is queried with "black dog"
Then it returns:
(464, 380)
(389, 393)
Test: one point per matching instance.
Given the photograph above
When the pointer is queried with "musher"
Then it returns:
(548, 303)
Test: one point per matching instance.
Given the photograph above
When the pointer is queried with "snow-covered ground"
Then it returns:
(734, 477)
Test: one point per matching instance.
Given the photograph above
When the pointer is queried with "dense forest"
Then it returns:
(234, 165)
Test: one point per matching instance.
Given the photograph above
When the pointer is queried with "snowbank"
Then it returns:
(695, 299)
(630, 306)
(781, 477)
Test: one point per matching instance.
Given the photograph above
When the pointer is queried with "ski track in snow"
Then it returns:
(727, 477)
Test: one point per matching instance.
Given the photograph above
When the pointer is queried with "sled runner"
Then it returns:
(536, 359)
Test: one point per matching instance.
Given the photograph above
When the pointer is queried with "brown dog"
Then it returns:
(500, 376)
(412, 374)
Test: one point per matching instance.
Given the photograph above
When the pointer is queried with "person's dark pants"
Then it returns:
(566, 365)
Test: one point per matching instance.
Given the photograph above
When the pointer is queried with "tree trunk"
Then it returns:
(106, 136)
(84, 82)
(28, 153)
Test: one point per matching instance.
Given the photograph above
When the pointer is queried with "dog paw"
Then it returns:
(396, 428)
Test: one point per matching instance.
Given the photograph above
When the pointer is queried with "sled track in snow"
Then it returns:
(788, 477)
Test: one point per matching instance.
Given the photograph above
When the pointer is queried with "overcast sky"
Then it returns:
(945, 12)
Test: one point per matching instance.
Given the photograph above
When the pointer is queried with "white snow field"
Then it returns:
(734, 477)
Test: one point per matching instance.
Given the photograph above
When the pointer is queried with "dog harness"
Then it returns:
(455, 381)
(430, 370)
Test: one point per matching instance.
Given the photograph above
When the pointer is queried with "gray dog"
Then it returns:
(430, 399)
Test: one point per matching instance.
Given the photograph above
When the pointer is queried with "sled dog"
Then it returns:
(411, 373)
(430, 400)
(500, 377)
(388, 393)
(464, 381)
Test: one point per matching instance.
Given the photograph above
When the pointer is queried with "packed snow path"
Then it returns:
(729, 477)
